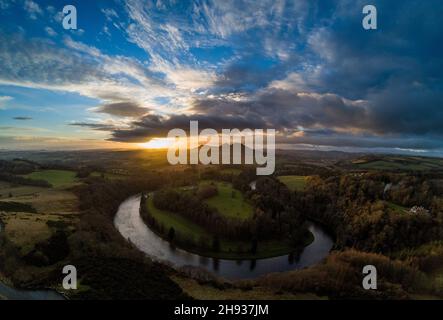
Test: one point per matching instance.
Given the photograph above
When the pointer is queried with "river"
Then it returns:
(131, 226)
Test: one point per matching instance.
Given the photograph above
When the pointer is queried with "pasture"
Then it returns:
(294, 183)
(57, 178)
(229, 201)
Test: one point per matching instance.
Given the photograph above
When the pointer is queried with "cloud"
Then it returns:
(122, 109)
(33, 9)
(305, 68)
(151, 126)
(78, 68)
(109, 13)
(22, 118)
(50, 32)
(4, 100)
(95, 126)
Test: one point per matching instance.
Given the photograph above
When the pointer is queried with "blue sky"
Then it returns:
(135, 69)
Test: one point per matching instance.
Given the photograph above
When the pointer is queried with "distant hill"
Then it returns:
(394, 163)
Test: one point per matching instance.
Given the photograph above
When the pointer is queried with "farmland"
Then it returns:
(294, 183)
(57, 178)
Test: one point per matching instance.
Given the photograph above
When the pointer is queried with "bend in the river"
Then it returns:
(129, 223)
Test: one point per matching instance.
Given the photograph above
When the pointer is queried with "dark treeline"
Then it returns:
(356, 208)
(193, 208)
(339, 277)
(17, 166)
(304, 170)
(7, 177)
(10, 206)
(276, 213)
(275, 216)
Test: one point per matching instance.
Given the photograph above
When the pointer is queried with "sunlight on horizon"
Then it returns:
(157, 143)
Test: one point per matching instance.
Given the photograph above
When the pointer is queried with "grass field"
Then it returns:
(180, 224)
(57, 178)
(397, 208)
(27, 229)
(294, 183)
(228, 248)
(44, 200)
(229, 201)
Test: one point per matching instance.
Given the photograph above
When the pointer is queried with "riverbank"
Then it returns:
(131, 226)
(229, 249)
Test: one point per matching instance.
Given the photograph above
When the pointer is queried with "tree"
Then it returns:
(171, 234)
(216, 244)
(254, 246)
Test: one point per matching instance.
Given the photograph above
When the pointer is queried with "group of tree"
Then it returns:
(356, 208)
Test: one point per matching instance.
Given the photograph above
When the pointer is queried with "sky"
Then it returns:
(133, 70)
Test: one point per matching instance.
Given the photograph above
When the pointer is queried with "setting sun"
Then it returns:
(157, 143)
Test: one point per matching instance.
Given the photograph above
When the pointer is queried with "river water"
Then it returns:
(9, 293)
(131, 226)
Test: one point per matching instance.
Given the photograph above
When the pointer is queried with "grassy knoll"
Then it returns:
(228, 249)
(294, 183)
(57, 178)
(229, 201)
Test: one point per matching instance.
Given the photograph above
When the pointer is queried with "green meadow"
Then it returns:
(57, 178)
(229, 201)
(294, 183)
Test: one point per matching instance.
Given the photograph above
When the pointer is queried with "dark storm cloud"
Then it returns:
(283, 109)
(354, 88)
(276, 109)
(337, 139)
(395, 71)
(151, 126)
(94, 126)
(122, 109)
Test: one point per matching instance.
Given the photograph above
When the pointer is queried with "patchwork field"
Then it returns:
(46, 206)
(57, 178)
(27, 229)
(294, 183)
(44, 200)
